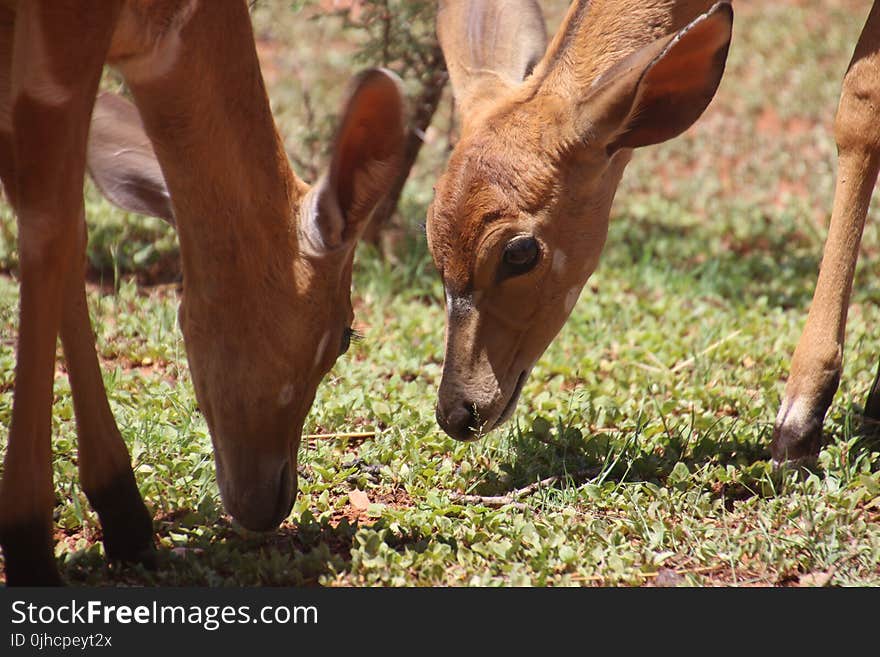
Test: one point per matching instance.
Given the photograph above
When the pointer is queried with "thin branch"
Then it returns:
(510, 499)
(647, 368)
(491, 501)
(663, 366)
(424, 106)
(683, 571)
(358, 435)
(307, 167)
(712, 347)
(386, 33)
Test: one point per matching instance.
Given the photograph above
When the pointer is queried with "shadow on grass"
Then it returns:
(575, 456)
(219, 554)
(546, 450)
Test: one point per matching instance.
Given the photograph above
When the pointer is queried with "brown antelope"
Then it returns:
(520, 216)
(266, 259)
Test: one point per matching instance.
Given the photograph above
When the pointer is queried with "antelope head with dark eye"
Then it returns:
(545, 151)
(520, 256)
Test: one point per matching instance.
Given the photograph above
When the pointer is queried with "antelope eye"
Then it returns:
(347, 334)
(520, 255)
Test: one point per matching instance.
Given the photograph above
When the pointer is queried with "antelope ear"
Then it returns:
(367, 156)
(490, 46)
(121, 160)
(659, 91)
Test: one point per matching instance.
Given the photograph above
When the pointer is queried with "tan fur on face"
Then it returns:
(542, 157)
(263, 311)
(262, 315)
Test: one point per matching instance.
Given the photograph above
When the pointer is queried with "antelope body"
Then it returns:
(520, 215)
(266, 259)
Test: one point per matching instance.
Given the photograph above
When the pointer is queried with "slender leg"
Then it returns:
(818, 359)
(54, 81)
(104, 462)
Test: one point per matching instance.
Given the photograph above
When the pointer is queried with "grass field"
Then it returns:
(647, 421)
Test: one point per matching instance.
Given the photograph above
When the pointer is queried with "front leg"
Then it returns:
(104, 462)
(818, 359)
(53, 85)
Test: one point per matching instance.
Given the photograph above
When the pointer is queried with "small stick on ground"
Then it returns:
(358, 435)
(648, 576)
(648, 368)
(511, 498)
(664, 367)
(491, 501)
(712, 347)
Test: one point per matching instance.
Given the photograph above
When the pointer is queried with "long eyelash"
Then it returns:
(354, 335)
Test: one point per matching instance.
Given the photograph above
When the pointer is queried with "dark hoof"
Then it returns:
(127, 525)
(131, 548)
(33, 572)
(796, 441)
(28, 551)
(129, 536)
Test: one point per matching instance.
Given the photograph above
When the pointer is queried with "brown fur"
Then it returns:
(266, 260)
(542, 156)
(818, 359)
(525, 158)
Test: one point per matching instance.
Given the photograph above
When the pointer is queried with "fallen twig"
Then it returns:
(682, 571)
(358, 435)
(712, 347)
(648, 368)
(492, 501)
(650, 354)
(510, 499)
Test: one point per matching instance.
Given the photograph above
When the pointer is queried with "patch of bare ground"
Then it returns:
(359, 504)
(164, 271)
(146, 367)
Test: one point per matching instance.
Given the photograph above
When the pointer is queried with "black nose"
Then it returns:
(460, 422)
(263, 508)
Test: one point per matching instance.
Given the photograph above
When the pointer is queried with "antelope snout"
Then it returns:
(467, 420)
(459, 419)
(259, 495)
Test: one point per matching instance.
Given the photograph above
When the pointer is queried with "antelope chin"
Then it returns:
(511, 403)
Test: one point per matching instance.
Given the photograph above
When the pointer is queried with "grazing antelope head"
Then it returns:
(520, 215)
(267, 264)
(266, 259)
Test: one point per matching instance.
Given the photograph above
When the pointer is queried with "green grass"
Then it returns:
(652, 410)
